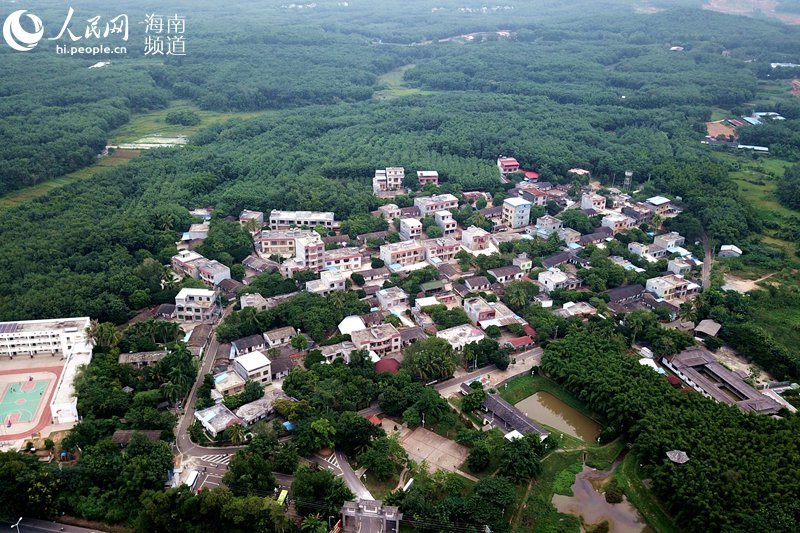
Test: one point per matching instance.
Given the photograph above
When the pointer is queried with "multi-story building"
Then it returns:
(554, 279)
(590, 200)
(185, 263)
(383, 339)
(212, 272)
(287, 219)
(410, 228)
(639, 212)
(671, 287)
(389, 211)
(249, 218)
(343, 259)
(388, 179)
(50, 337)
(392, 298)
(617, 222)
(659, 205)
(672, 239)
(441, 249)
(478, 309)
(195, 305)
(280, 242)
(547, 225)
(428, 176)
(428, 205)
(475, 238)
(516, 212)
(254, 366)
(309, 251)
(534, 195)
(444, 219)
(279, 336)
(679, 266)
(328, 282)
(523, 262)
(403, 253)
(507, 165)
(506, 274)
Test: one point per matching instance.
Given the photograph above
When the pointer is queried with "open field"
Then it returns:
(718, 128)
(154, 124)
(23, 195)
(391, 85)
(752, 8)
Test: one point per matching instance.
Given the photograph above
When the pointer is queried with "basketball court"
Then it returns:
(21, 401)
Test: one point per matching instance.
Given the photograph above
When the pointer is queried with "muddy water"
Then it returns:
(545, 408)
(589, 503)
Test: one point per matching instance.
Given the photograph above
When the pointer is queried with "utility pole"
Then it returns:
(17, 524)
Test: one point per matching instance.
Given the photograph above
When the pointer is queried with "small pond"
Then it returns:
(590, 503)
(545, 408)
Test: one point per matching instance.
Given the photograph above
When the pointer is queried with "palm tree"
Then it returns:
(688, 311)
(235, 433)
(172, 391)
(515, 296)
(314, 524)
(104, 335)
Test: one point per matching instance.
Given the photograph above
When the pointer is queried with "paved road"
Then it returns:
(33, 525)
(525, 361)
(351, 479)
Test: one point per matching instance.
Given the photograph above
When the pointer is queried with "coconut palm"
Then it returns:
(103, 335)
(314, 524)
(235, 433)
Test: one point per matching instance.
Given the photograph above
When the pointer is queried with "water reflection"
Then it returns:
(545, 408)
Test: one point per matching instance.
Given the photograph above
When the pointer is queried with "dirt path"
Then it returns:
(733, 283)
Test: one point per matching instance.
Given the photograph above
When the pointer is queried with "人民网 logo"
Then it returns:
(17, 37)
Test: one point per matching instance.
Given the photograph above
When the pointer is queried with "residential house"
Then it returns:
(392, 298)
(659, 205)
(617, 222)
(671, 287)
(328, 282)
(534, 195)
(679, 266)
(441, 249)
(547, 225)
(410, 212)
(475, 239)
(199, 339)
(428, 205)
(403, 253)
(185, 263)
(279, 336)
(346, 259)
(248, 344)
(287, 219)
(383, 339)
(707, 328)
(341, 350)
(228, 382)
(590, 200)
(478, 310)
(445, 221)
(410, 228)
(563, 258)
(309, 252)
(195, 305)
(280, 242)
(507, 165)
(261, 303)
(253, 366)
(553, 279)
(569, 235)
(216, 419)
(427, 176)
(197, 232)
(672, 239)
(250, 219)
(581, 309)
(516, 212)
(388, 180)
(141, 359)
(523, 262)
(493, 214)
(602, 234)
(460, 336)
(639, 212)
(650, 252)
(477, 283)
(261, 409)
(212, 272)
(375, 274)
(506, 274)
(389, 211)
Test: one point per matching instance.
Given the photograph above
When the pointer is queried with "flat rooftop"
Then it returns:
(25, 326)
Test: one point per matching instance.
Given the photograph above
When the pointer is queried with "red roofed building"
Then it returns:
(375, 420)
(531, 175)
(675, 381)
(507, 165)
(529, 331)
(387, 365)
(520, 342)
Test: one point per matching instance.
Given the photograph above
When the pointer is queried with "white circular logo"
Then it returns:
(15, 35)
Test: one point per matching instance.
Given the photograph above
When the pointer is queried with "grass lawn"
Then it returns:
(719, 114)
(538, 513)
(629, 477)
(391, 85)
(153, 123)
(602, 457)
(381, 489)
